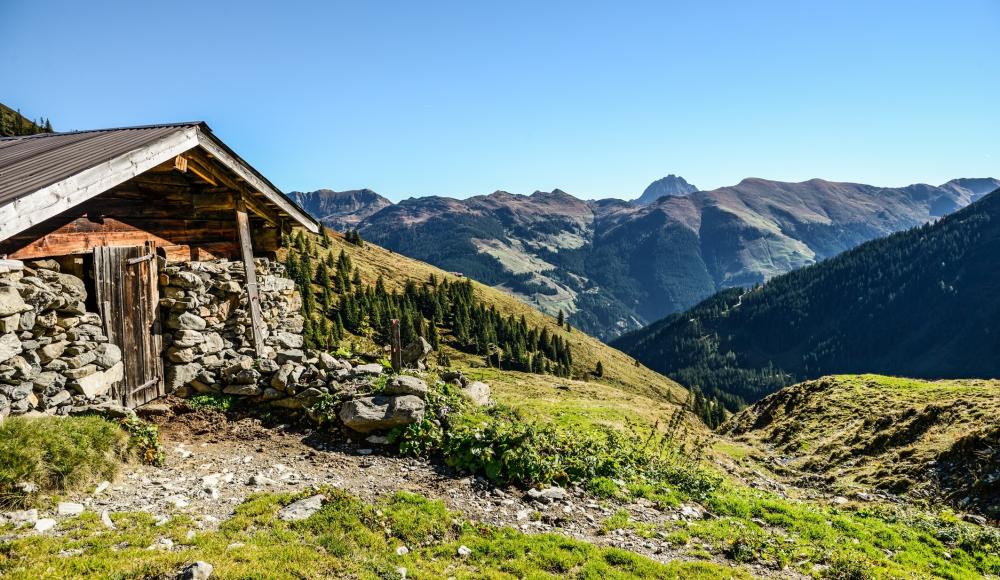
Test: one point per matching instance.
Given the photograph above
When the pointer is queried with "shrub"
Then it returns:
(144, 440)
(216, 401)
(57, 454)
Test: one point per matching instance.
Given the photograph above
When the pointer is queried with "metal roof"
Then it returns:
(32, 163)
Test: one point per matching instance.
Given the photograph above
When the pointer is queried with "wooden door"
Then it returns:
(128, 297)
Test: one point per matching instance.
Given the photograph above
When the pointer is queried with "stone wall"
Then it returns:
(207, 332)
(54, 355)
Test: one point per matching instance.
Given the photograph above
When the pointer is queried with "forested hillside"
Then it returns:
(922, 303)
(369, 285)
(13, 123)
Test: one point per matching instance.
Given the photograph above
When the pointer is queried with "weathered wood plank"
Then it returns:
(50, 201)
(253, 295)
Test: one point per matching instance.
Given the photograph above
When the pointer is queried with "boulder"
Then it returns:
(416, 352)
(406, 385)
(367, 414)
(477, 392)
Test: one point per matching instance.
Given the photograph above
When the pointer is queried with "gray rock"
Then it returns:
(186, 321)
(367, 414)
(10, 346)
(28, 320)
(477, 392)
(51, 351)
(72, 286)
(290, 355)
(100, 382)
(368, 369)
(289, 340)
(246, 390)
(213, 343)
(57, 399)
(197, 571)
(282, 378)
(180, 375)
(108, 355)
(553, 493)
(10, 323)
(188, 280)
(82, 359)
(416, 351)
(11, 301)
(81, 372)
(182, 355)
(406, 385)
(47, 319)
(45, 524)
(188, 338)
(301, 509)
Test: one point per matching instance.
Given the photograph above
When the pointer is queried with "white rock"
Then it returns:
(197, 571)
(464, 551)
(106, 520)
(162, 544)
(402, 551)
(101, 487)
(45, 524)
(68, 508)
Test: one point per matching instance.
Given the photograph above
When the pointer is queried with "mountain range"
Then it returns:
(614, 266)
(920, 303)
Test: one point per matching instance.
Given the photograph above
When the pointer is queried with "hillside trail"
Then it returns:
(214, 463)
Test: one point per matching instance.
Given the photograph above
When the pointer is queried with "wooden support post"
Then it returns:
(396, 350)
(253, 294)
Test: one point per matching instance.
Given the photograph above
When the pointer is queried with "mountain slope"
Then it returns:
(340, 210)
(671, 185)
(615, 266)
(927, 439)
(620, 370)
(922, 303)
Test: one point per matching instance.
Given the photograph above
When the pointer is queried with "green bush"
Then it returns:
(216, 401)
(144, 440)
(57, 454)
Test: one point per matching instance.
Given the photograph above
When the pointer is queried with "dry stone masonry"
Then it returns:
(54, 355)
(56, 359)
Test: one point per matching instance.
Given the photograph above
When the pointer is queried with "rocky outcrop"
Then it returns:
(54, 355)
(381, 412)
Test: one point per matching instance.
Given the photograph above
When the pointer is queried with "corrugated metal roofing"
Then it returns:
(30, 163)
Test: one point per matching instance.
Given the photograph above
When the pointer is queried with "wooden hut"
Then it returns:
(106, 203)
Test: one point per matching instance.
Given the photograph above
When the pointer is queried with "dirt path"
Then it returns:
(213, 464)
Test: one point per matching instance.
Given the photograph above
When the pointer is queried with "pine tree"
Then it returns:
(561, 320)
(599, 370)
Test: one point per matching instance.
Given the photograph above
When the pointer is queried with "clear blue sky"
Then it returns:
(463, 98)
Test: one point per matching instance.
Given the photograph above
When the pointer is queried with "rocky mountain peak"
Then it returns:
(669, 186)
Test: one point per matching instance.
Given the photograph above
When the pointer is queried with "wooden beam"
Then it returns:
(200, 164)
(239, 167)
(253, 295)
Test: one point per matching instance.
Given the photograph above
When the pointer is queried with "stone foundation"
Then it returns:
(54, 355)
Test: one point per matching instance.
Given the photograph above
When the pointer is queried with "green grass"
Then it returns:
(346, 538)
(57, 454)
(217, 401)
(865, 432)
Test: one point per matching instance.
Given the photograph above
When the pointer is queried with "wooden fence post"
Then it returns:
(396, 349)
